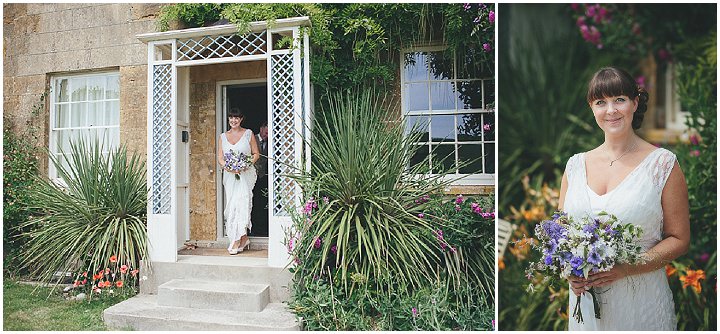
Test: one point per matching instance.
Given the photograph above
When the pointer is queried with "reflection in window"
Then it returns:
(452, 99)
(87, 107)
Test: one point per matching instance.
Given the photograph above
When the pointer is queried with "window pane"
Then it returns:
(78, 89)
(64, 139)
(420, 156)
(416, 96)
(471, 65)
(415, 66)
(62, 115)
(441, 65)
(489, 126)
(443, 158)
(95, 114)
(442, 128)
(490, 158)
(419, 124)
(112, 113)
(112, 88)
(62, 91)
(489, 92)
(442, 96)
(470, 94)
(470, 127)
(78, 114)
(113, 137)
(96, 88)
(470, 156)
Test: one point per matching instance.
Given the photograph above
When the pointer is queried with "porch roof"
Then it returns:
(222, 29)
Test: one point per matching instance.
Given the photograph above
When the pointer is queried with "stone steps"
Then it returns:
(231, 296)
(208, 293)
(142, 312)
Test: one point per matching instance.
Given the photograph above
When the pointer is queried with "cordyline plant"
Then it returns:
(100, 212)
(369, 223)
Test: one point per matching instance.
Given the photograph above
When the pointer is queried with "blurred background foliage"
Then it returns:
(548, 53)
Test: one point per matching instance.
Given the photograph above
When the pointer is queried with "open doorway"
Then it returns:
(251, 99)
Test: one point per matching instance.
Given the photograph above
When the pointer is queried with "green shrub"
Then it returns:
(100, 213)
(20, 165)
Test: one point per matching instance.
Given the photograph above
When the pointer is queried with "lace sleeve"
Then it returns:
(661, 168)
(570, 166)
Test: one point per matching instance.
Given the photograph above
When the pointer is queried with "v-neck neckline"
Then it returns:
(584, 168)
(241, 137)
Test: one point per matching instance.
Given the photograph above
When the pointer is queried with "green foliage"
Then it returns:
(545, 118)
(377, 237)
(697, 89)
(101, 212)
(20, 165)
(359, 43)
(438, 306)
(359, 164)
(24, 310)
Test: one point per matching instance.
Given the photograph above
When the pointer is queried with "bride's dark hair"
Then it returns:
(613, 81)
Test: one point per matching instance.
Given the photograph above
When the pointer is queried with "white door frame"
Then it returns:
(220, 116)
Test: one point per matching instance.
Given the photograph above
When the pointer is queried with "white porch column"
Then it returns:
(162, 150)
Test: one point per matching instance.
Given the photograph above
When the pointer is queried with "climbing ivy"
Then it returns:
(360, 43)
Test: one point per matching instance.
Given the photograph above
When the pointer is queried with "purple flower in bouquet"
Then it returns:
(237, 162)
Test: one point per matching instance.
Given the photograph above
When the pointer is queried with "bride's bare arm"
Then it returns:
(254, 149)
(676, 233)
(220, 156)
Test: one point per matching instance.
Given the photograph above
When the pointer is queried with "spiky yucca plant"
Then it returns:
(100, 212)
(371, 225)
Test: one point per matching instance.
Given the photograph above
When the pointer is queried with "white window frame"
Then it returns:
(53, 141)
(457, 179)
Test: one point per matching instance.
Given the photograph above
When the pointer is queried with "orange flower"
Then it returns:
(670, 270)
(501, 263)
(113, 259)
(97, 277)
(692, 279)
(119, 284)
(123, 268)
(134, 272)
(101, 284)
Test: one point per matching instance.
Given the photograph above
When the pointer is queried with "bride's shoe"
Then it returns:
(245, 246)
(233, 251)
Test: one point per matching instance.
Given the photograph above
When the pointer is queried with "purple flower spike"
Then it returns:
(491, 17)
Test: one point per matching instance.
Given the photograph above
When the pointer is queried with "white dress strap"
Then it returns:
(661, 165)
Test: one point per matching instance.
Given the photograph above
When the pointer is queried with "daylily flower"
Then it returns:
(670, 270)
(692, 279)
(123, 268)
(119, 284)
(113, 259)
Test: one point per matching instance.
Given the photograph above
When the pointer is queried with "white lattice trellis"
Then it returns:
(224, 46)
(283, 104)
(161, 138)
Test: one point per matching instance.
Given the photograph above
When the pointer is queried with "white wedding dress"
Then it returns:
(636, 302)
(238, 193)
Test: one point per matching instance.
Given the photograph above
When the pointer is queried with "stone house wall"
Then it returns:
(44, 40)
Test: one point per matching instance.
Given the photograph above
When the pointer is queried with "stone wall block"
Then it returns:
(141, 11)
(39, 8)
(55, 21)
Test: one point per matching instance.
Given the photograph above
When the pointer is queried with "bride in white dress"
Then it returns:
(238, 191)
(640, 184)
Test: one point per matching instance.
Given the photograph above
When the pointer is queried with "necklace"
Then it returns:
(626, 151)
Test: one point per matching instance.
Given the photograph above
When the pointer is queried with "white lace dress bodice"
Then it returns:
(238, 192)
(637, 302)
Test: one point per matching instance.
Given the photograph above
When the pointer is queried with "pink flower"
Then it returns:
(695, 139)
(487, 47)
(459, 199)
(318, 242)
(663, 54)
(466, 6)
(491, 17)
(590, 11)
(695, 153)
(333, 249)
(636, 29)
(123, 268)
(704, 257)
(580, 21)
(421, 215)
(414, 312)
(310, 205)
(640, 81)
(486, 126)
(574, 7)
(326, 199)
(457, 208)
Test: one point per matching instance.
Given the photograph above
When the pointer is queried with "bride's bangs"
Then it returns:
(609, 83)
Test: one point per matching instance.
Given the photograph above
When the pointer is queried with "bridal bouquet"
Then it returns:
(581, 247)
(237, 162)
